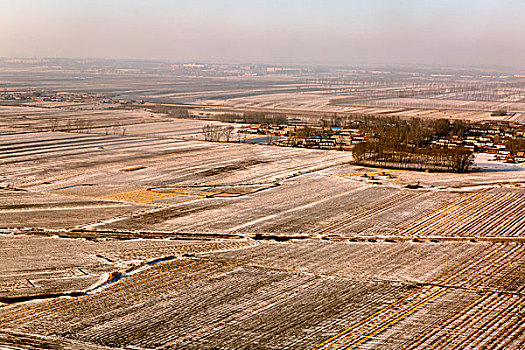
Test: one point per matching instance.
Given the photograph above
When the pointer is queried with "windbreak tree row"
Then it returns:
(391, 153)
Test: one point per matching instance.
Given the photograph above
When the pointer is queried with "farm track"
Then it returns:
(179, 249)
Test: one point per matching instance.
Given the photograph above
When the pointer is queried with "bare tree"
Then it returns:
(54, 124)
(78, 124)
(116, 129)
(228, 132)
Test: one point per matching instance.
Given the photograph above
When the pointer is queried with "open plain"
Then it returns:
(124, 229)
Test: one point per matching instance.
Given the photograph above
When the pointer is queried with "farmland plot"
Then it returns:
(29, 209)
(258, 296)
(175, 129)
(27, 119)
(28, 159)
(312, 204)
(32, 266)
(402, 261)
(52, 266)
(492, 213)
(205, 304)
(482, 320)
(272, 248)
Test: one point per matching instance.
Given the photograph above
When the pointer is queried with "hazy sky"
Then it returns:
(295, 31)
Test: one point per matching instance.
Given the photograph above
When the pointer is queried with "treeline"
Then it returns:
(83, 126)
(218, 132)
(170, 111)
(251, 118)
(412, 127)
(415, 129)
(395, 155)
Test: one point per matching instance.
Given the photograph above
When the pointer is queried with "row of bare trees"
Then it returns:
(218, 132)
(406, 144)
(396, 155)
(78, 125)
(251, 117)
(84, 126)
(170, 111)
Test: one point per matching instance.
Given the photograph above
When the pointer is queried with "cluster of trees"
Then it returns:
(84, 126)
(423, 128)
(389, 152)
(499, 113)
(405, 143)
(171, 111)
(116, 130)
(516, 145)
(78, 125)
(217, 132)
